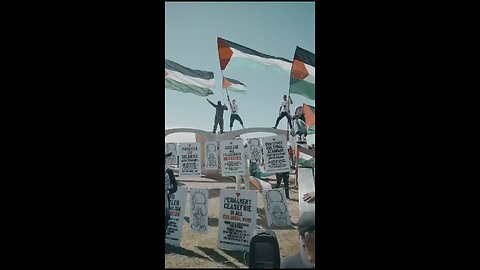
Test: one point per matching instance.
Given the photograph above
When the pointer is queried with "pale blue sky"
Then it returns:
(191, 31)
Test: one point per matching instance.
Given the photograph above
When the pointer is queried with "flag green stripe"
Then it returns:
(186, 88)
(303, 88)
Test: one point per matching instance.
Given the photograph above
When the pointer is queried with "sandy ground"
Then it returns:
(200, 250)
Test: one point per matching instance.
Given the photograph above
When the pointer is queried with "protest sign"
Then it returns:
(171, 147)
(232, 158)
(211, 155)
(199, 210)
(189, 163)
(177, 211)
(237, 219)
(276, 154)
(276, 208)
(255, 148)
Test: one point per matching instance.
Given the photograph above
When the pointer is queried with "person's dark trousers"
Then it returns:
(234, 117)
(218, 121)
(282, 116)
(285, 176)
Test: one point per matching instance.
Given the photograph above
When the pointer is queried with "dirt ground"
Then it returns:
(200, 250)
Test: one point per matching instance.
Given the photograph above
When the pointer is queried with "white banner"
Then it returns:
(276, 154)
(177, 211)
(255, 148)
(189, 163)
(232, 157)
(171, 147)
(199, 207)
(276, 208)
(237, 219)
(211, 155)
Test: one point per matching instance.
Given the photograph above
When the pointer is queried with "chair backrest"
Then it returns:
(264, 250)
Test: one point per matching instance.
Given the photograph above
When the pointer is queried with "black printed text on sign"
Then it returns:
(276, 154)
(189, 159)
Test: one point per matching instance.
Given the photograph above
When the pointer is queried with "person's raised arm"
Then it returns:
(291, 101)
(210, 102)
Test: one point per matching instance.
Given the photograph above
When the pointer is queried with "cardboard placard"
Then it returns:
(276, 208)
(177, 211)
(199, 210)
(237, 219)
(171, 147)
(232, 157)
(211, 155)
(189, 163)
(276, 155)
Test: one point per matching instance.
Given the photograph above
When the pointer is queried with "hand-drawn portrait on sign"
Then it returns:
(255, 149)
(276, 207)
(199, 215)
(211, 156)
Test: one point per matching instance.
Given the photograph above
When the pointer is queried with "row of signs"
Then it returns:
(237, 215)
(232, 155)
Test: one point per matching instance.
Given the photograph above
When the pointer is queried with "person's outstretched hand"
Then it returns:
(309, 197)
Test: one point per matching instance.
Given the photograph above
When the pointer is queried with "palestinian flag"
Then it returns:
(309, 112)
(260, 184)
(234, 86)
(302, 77)
(234, 55)
(180, 78)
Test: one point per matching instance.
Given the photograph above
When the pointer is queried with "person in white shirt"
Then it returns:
(284, 111)
(234, 116)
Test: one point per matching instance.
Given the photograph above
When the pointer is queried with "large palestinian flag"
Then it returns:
(180, 78)
(234, 55)
(302, 78)
(234, 86)
(309, 112)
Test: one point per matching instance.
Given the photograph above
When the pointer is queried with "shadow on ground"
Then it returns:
(212, 221)
(182, 251)
(217, 257)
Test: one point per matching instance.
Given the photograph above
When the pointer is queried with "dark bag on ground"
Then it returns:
(264, 250)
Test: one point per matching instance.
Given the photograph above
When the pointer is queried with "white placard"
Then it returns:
(276, 154)
(232, 157)
(177, 211)
(237, 219)
(276, 208)
(199, 210)
(211, 155)
(189, 163)
(255, 148)
(171, 147)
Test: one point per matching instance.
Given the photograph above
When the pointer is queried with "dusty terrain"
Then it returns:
(200, 250)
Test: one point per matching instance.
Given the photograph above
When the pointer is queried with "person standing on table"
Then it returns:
(170, 188)
(284, 110)
(218, 115)
(234, 112)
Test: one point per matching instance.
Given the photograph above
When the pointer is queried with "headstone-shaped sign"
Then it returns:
(177, 211)
(237, 219)
(211, 155)
(189, 163)
(276, 154)
(255, 148)
(171, 147)
(199, 207)
(276, 208)
(232, 158)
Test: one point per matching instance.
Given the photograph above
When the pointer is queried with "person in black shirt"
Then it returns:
(218, 115)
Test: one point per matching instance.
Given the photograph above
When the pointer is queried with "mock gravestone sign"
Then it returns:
(237, 219)
(232, 158)
(211, 155)
(177, 211)
(199, 210)
(189, 159)
(276, 155)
